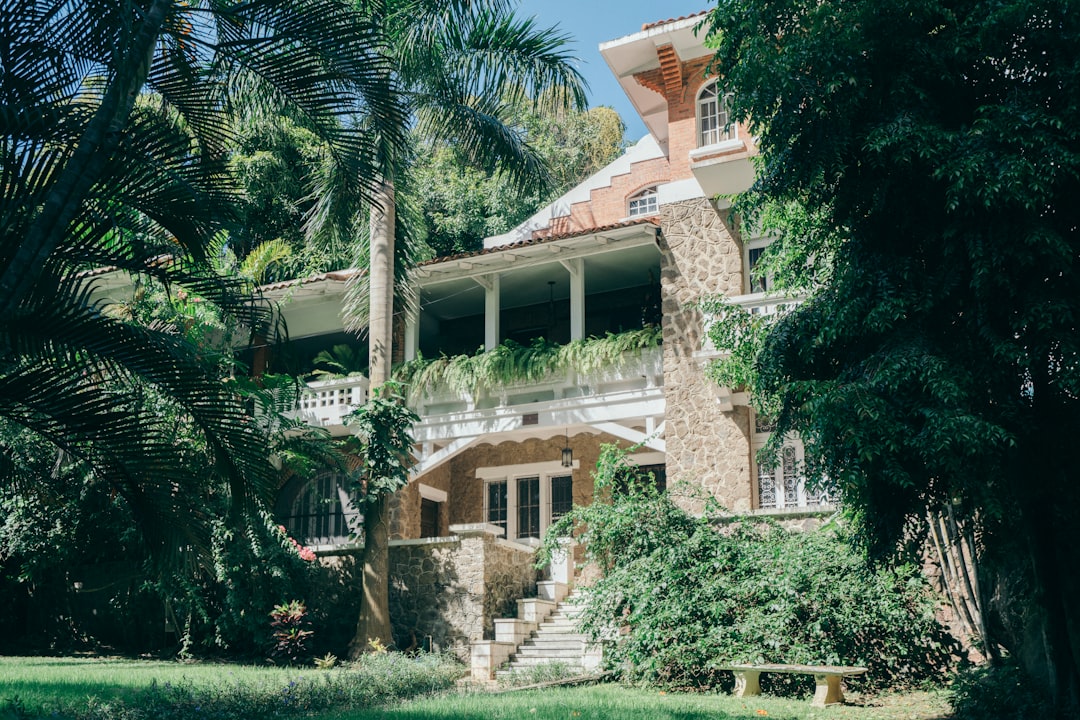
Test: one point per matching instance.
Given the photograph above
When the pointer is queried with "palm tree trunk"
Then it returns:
(82, 170)
(374, 623)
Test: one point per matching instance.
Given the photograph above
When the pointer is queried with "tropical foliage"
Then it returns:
(71, 523)
(933, 152)
(511, 363)
(382, 433)
(681, 596)
(114, 153)
(463, 204)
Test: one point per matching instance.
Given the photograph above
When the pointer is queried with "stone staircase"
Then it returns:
(555, 640)
(544, 632)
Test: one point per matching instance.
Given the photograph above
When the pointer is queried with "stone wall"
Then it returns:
(707, 447)
(445, 592)
(405, 506)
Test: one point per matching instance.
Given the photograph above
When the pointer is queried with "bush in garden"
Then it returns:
(679, 596)
(290, 632)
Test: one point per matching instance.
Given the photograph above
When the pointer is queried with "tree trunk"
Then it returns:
(1047, 497)
(374, 623)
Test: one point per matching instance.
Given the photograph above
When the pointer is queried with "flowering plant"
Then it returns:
(305, 553)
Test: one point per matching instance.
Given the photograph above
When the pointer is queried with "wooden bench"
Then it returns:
(827, 678)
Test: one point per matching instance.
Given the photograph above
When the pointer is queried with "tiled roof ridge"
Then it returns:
(334, 275)
(658, 23)
(529, 242)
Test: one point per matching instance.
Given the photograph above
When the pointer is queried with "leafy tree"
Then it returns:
(931, 152)
(113, 153)
(463, 204)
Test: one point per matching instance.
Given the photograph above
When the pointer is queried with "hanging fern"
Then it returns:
(512, 363)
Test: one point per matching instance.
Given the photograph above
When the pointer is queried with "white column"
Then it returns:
(412, 335)
(576, 268)
(490, 283)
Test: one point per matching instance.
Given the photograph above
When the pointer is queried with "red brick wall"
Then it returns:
(607, 205)
(682, 112)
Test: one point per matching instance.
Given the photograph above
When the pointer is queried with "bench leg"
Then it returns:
(746, 683)
(828, 691)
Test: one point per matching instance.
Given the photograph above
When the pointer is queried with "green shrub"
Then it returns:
(1002, 692)
(680, 596)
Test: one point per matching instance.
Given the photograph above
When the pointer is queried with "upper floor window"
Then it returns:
(644, 203)
(714, 116)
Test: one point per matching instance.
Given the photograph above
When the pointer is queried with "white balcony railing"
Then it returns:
(764, 303)
(636, 371)
(631, 388)
(325, 403)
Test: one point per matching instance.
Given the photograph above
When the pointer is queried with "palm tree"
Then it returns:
(461, 67)
(115, 129)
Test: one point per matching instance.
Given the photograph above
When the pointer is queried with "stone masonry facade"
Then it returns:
(445, 592)
(706, 447)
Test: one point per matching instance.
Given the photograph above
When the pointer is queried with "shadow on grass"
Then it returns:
(613, 702)
(601, 703)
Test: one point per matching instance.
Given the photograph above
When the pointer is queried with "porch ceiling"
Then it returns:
(527, 284)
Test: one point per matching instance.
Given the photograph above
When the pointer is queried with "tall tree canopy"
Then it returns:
(462, 204)
(930, 152)
(115, 124)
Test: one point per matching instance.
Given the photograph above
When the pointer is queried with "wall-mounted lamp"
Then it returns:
(567, 453)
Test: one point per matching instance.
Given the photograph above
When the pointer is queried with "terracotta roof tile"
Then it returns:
(333, 276)
(530, 242)
(658, 23)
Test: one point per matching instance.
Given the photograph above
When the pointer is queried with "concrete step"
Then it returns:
(566, 654)
(559, 630)
(556, 640)
(523, 662)
(569, 668)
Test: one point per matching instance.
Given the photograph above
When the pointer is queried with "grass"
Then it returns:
(42, 686)
(136, 690)
(614, 702)
(66, 682)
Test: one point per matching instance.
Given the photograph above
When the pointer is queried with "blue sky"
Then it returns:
(591, 22)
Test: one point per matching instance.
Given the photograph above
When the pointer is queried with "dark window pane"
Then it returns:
(562, 496)
(528, 507)
(758, 283)
(429, 518)
(496, 502)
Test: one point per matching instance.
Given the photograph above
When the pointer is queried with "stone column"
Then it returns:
(706, 446)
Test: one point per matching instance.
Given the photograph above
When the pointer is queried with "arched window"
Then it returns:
(323, 512)
(643, 203)
(714, 116)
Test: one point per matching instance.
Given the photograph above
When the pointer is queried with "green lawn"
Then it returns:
(47, 681)
(58, 683)
(614, 702)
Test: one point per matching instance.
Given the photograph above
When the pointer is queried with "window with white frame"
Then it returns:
(644, 203)
(782, 484)
(714, 116)
(324, 512)
(524, 500)
(756, 281)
